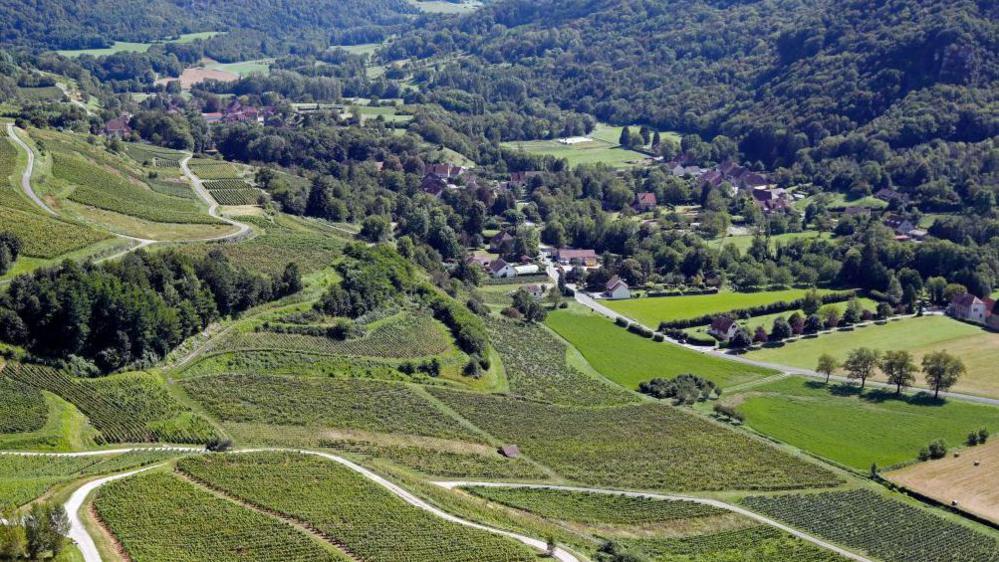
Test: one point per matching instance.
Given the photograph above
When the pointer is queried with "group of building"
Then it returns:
(238, 112)
(972, 309)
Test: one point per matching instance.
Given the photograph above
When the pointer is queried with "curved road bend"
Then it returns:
(595, 306)
(26, 176)
(213, 206)
(450, 485)
(78, 532)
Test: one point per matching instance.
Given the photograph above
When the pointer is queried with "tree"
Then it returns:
(760, 334)
(781, 330)
(375, 229)
(942, 370)
(899, 367)
(811, 302)
(740, 340)
(860, 364)
(827, 365)
(884, 310)
(813, 324)
(625, 139)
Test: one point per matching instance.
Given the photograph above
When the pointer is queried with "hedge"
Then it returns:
(778, 306)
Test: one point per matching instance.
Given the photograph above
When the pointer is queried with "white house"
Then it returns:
(536, 291)
(499, 269)
(970, 308)
(616, 289)
(723, 327)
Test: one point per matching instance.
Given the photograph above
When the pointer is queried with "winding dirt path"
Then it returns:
(28, 170)
(451, 485)
(213, 206)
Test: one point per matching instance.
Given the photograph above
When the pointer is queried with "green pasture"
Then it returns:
(130, 47)
(652, 311)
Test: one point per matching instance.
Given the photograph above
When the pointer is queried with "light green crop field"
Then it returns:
(858, 429)
(652, 311)
(837, 201)
(443, 7)
(594, 152)
(743, 241)
(261, 66)
(977, 348)
(629, 359)
(362, 49)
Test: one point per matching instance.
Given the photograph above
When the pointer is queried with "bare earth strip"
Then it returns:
(974, 488)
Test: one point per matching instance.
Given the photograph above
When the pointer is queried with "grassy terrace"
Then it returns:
(603, 148)
(977, 348)
(839, 423)
(628, 359)
(652, 311)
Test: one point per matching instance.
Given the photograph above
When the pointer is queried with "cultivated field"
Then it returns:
(647, 446)
(744, 241)
(157, 517)
(130, 47)
(875, 427)
(652, 311)
(629, 359)
(968, 479)
(977, 348)
(886, 528)
(759, 543)
(362, 516)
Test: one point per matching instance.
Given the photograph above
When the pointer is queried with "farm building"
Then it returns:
(617, 289)
(970, 308)
(771, 200)
(723, 328)
(527, 269)
(499, 269)
(899, 224)
(501, 243)
(482, 261)
(569, 256)
(645, 201)
(536, 291)
(118, 127)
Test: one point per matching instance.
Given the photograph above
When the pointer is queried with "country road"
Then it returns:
(594, 305)
(450, 485)
(28, 170)
(78, 532)
(213, 206)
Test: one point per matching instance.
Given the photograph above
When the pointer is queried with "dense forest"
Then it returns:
(845, 94)
(257, 26)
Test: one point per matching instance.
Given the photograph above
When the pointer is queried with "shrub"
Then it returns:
(972, 439)
(983, 435)
(621, 322)
(658, 337)
(695, 339)
(218, 445)
(937, 449)
(683, 389)
(728, 412)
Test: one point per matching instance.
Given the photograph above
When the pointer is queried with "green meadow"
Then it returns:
(652, 311)
(839, 423)
(629, 359)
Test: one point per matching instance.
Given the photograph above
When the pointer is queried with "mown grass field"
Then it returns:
(978, 349)
(743, 241)
(602, 149)
(652, 311)
(629, 359)
(854, 429)
(767, 320)
(131, 47)
(968, 479)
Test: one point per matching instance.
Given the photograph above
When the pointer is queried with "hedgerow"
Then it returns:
(157, 517)
(886, 528)
(771, 308)
(367, 519)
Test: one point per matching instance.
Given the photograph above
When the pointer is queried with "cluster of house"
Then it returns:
(903, 227)
(972, 309)
(237, 112)
(439, 178)
(765, 194)
(723, 328)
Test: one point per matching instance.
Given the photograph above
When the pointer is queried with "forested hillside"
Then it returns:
(845, 93)
(61, 24)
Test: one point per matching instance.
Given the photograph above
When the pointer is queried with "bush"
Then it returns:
(983, 435)
(728, 412)
(218, 445)
(937, 449)
(658, 337)
(621, 322)
(972, 439)
(683, 389)
(696, 339)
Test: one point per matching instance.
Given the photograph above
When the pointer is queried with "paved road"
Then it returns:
(26, 176)
(213, 206)
(595, 305)
(450, 485)
(78, 532)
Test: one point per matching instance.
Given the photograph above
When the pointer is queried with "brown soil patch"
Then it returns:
(109, 537)
(975, 488)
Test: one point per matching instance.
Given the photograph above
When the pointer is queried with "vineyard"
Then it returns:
(213, 169)
(350, 403)
(644, 446)
(22, 407)
(758, 544)
(888, 529)
(412, 335)
(585, 507)
(446, 464)
(364, 517)
(235, 197)
(173, 188)
(155, 156)
(282, 240)
(99, 188)
(293, 363)
(158, 518)
(535, 364)
(23, 479)
(133, 409)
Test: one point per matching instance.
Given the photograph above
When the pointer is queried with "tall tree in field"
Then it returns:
(942, 370)
(625, 139)
(899, 367)
(827, 365)
(860, 364)
(657, 139)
